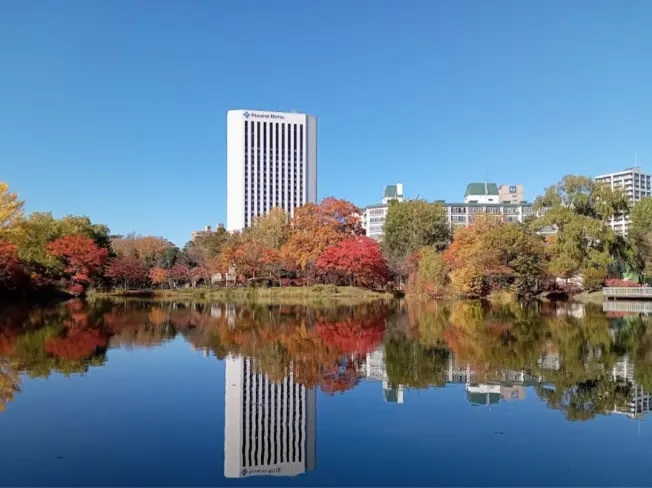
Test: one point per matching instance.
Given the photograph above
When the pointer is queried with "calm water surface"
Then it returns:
(145, 393)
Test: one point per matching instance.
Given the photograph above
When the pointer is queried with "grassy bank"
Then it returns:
(588, 297)
(285, 295)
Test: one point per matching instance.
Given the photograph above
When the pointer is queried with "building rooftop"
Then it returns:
(391, 191)
(481, 189)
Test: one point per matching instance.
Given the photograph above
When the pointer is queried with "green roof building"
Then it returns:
(481, 193)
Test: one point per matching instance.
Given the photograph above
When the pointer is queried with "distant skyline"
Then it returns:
(117, 110)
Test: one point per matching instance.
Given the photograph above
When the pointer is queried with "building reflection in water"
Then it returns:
(372, 367)
(269, 427)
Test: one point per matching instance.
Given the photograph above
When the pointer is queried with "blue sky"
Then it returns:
(117, 109)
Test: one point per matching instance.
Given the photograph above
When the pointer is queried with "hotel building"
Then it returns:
(271, 162)
(269, 427)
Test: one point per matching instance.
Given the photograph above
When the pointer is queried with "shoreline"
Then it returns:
(287, 295)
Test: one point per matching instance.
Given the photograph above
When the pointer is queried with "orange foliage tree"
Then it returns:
(317, 227)
(159, 276)
(490, 254)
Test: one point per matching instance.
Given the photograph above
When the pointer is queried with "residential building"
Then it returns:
(207, 231)
(271, 162)
(269, 427)
(481, 193)
(462, 214)
(635, 184)
(373, 216)
(510, 194)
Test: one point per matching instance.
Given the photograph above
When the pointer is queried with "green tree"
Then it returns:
(410, 226)
(580, 208)
(640, 238)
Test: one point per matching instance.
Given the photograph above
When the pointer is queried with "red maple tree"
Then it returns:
(79, 343)
(12, 276)
(199, 273)
(353, 335)
(180, 274)
(357, 261)
(82, 259)
(129, 271)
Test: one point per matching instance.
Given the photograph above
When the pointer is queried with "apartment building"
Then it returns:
(510, 194)
(373, 216)
(635, 184)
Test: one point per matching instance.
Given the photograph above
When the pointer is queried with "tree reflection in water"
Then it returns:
(578, 360)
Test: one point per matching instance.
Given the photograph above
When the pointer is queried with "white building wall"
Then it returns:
(271, 162)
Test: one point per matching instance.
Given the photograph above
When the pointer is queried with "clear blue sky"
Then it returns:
(117, 109)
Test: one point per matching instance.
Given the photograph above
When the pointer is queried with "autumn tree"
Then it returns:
(180, 274)
(148, 249)
(82, 260)
(41, 229)
(200, 273)
(493, 254)
(12, 277)
(357, 261)
(159, 276)
(128, 271)
(211, 244)
(429, 275)
(271, 230)
(410, 226)
(316, 227)
(579, 209)
(11, 213)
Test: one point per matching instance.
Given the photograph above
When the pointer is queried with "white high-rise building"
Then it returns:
(635, 184)
(271, 162)
(269, 428)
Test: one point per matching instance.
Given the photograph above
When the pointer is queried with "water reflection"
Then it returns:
(580, 361)
(269, 427)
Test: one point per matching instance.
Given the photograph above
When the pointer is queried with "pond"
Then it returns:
(136, 393)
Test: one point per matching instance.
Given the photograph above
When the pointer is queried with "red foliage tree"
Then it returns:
(180, 274)
(12, 276)
(199, 273)
(357, 261)
(128, 270)
(82, 258)
(353, 335)
(78, 344)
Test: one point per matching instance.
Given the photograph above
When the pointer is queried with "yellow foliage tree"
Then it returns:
(11, 213)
